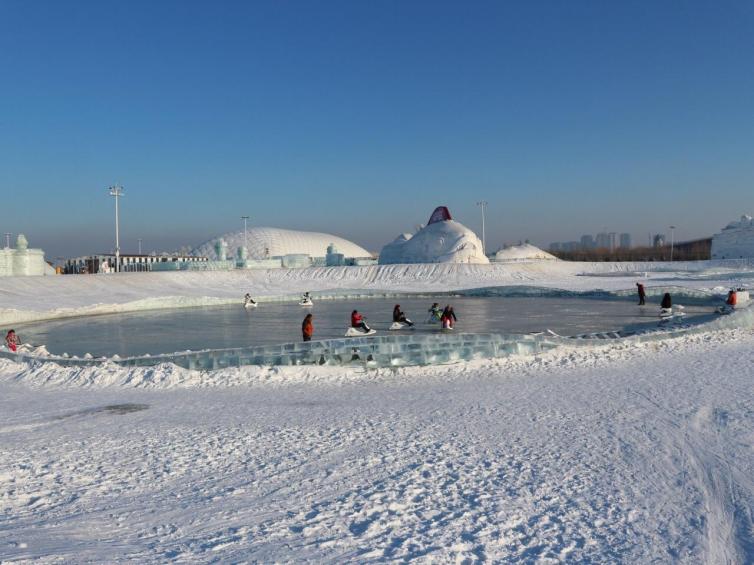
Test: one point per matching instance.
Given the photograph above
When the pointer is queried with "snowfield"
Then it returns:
(628, 452)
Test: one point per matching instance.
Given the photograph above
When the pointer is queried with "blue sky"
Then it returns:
(359, 118)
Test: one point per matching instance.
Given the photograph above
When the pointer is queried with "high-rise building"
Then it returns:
(625, 240)
(602, 241)
(659, 240)
(587, 242)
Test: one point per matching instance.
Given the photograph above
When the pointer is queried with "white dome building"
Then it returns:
(442, 240)
(522, 252)
(735, 241)
(266, 243)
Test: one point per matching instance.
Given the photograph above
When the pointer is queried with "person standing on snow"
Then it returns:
(307, 328)
(642, 293)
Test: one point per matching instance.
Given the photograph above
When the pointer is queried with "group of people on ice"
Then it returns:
(447, 318)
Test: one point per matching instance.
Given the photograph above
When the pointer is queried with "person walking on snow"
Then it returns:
(307, 328)
(12, 341)
(357, 321)
(642, 293)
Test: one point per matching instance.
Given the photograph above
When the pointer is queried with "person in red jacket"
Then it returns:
(642, 293)
(307, 328)
(11, 340)
(357, 321)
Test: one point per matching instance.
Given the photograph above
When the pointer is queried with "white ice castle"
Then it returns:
(22, 261)
(735, 241)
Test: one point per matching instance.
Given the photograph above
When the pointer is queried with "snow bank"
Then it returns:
(522, 252)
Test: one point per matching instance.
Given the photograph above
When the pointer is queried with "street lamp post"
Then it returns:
(245, 243)
(672, 242)
(117, 192)
(483, 205)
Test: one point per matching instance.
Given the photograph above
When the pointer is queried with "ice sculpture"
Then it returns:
(735, 241)
(442, 240)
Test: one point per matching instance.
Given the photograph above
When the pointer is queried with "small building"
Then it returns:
(20, 261)
(104, 263)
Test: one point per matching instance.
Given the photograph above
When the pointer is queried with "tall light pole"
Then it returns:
(672, 242)
(245, 243)
(483, 205)
(117, 192)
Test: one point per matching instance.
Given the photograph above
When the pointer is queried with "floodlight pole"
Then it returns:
(483, 205)
(117, 192)
(672, 242)
(245, 243)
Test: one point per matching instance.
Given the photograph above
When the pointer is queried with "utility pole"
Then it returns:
(245, 243)
(117, 192)
(483, 205)
(672, 242)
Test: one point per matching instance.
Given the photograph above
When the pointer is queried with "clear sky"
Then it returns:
(359, 117)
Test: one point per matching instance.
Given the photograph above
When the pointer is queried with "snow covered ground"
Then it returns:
(627, 452)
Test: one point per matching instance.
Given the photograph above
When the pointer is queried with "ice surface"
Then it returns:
(391, 350)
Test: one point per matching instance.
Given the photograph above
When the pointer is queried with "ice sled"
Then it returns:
(250, 304)
(401, 326)
(670, 314)
(738, 298)
(306, 303)
(357, 332)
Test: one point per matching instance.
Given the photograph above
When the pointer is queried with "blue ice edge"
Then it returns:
(394, 350)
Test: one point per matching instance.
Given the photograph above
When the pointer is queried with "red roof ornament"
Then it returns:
(441, 214)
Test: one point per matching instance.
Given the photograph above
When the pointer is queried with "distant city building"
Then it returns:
(658, 240)
(587, 242)
(625, 240)
(602, 241)
(735, 241)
